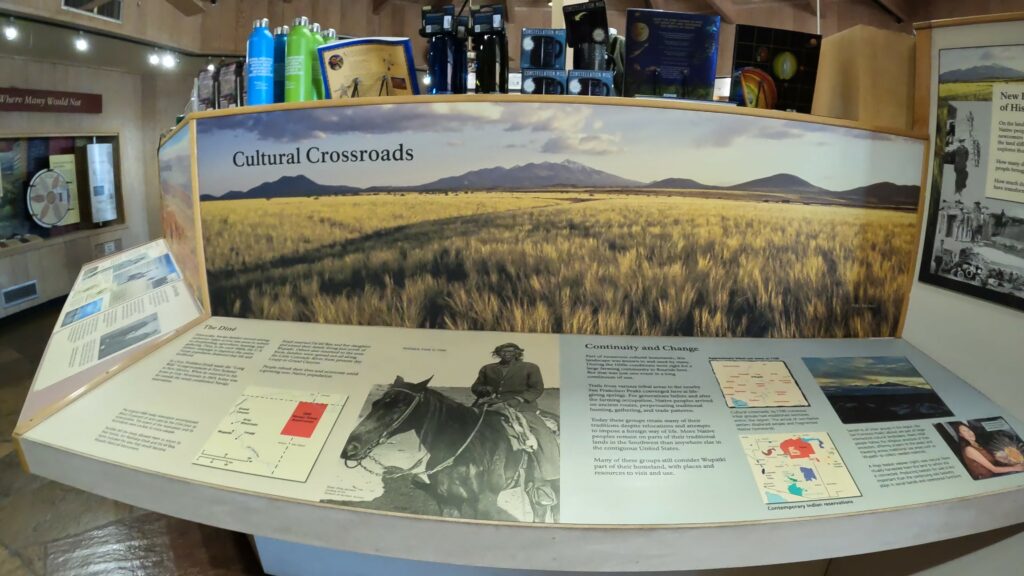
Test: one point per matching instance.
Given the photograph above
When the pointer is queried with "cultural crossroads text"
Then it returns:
(317, 155)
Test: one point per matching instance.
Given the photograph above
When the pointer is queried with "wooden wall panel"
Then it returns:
(154, 21)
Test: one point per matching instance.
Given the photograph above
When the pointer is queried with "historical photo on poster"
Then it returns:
(876, 389)
(129, 335)
(798, 467)
(273, 432)
(757, 383)
(489, 450)
(974, 239)
(987, 447)
(557, 218)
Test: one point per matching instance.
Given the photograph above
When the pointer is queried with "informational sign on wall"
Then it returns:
(26, 100)
(1005, 164)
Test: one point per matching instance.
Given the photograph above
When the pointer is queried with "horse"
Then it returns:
(470, 458)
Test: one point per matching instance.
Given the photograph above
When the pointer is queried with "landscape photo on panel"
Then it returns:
(558, 218)
(486, 447)
(986, 447)
(798, 467)
(757, 383)
(865, 389)
(974, 240)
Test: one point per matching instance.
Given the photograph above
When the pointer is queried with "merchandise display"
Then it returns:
(591, 83)
(671, 54)
(206, 90)
(316, 73)
(586, 28)
(259, 64)
(542, 49)
(299, 66)
(367, 67)
(447, 58)
(543, 81)
(230, 84)
(775, 68)
(280, 53)
(491, 46)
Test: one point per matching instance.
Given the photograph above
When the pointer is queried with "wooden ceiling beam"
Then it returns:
(901, 10)
(186, 7)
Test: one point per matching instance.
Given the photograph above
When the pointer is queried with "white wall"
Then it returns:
(981, 342)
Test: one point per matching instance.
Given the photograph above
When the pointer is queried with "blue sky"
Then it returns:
(643, 144)
(961, 58)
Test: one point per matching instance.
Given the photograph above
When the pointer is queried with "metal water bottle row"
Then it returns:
(283, 66)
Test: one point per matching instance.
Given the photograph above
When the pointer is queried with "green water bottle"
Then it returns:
(298, 67)
(316, 75)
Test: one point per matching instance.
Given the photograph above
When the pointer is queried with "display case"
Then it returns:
(529, 332)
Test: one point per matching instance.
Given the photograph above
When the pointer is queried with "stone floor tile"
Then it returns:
(52, 511)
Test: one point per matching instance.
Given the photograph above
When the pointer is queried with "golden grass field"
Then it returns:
(573, 262)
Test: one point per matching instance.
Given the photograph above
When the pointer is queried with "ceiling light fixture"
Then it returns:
(11, 31)
(81, 44)
(168, 60)
(154, 59)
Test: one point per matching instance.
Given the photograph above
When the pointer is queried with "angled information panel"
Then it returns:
(384, 419)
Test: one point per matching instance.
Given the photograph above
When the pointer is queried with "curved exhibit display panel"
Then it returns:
(559, 215)
(490, 332)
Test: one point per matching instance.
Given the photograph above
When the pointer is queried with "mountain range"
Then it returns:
(979, 73)
(885, 389)
(570, 174)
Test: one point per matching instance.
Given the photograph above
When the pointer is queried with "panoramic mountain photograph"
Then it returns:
(876, 389)
(558, 218)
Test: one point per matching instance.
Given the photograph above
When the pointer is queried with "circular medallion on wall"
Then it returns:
(49, 199)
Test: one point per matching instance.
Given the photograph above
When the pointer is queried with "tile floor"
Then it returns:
(53, 529)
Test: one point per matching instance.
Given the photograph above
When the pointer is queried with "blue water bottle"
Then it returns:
(259, 64)
(280, 52)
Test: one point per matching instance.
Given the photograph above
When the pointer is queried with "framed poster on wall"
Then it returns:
(974, 241)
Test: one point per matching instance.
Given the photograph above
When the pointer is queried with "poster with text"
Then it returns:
(974, 240)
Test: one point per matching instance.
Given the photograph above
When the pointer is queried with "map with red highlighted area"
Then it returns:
(798, 467)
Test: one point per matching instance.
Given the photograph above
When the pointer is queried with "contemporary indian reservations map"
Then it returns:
(798, 467)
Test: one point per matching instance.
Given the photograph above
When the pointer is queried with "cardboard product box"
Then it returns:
(544, 82)
(543, 49)
(774, 68)
(591, 83)
(671, 54)
(230, 85)
(206, 90)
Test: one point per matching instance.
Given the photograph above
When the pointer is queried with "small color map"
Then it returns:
(798, 467)
(757, 384)
(273, 432)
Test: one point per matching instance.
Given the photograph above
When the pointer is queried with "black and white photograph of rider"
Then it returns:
(486, 450)
(974, 243)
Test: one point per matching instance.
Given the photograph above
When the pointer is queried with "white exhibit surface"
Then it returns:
(978, 340)
(657, 471)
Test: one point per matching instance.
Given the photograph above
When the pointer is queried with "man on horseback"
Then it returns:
(517, 385)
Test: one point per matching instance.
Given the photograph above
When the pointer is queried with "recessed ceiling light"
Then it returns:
(211, 67)
(154, 59)
(81, 44)
(11, 31)
(168, 60)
